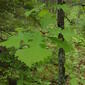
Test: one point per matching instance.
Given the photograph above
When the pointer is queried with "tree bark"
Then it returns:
(61, 18)
(61, 53)
(60, 1)
(61, 68)
(12, 81)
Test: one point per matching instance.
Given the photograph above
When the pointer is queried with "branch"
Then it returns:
(68, 19)
(80, 4)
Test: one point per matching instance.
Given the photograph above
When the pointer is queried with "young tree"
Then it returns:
(61, 53)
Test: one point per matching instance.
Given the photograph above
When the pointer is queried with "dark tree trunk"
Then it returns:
(61, 69)
(61, 53)
(3, 49)
(12, 81)
(61, 18)
(60, 37)
(60, 1)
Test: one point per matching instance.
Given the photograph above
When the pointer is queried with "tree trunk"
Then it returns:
(61, 18)
(61, 68)
(60, 1)
(61, 53)
(12, 81)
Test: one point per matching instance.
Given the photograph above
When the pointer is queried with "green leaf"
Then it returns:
(35, 53)
(46, 19)
(74, 80)
(15, 40)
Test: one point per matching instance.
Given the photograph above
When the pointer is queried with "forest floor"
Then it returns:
(46, 74)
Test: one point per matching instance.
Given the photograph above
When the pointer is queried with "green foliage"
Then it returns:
(32, 51)
(36, 52)
(10, 66)
(46, 19)
(74, 80)
(30, 33)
